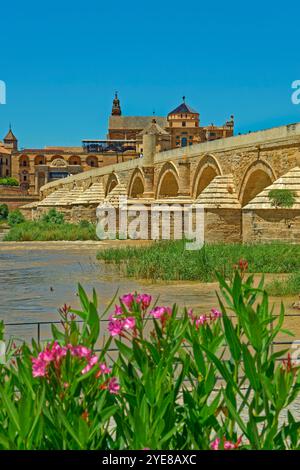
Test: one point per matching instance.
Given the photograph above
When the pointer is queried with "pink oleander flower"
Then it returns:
(104, 369)
(228, 445)
(92, 361)
(80, 351)
(159, 312)
(202, 320)
(47, 355)
(113, 386)
(129, 323)
(215, 444)
(215, 314)
(115, 326)
(118, 310)
(144, 300)
(127, 300)
(55, 353)
(190, 313)
(39, 367)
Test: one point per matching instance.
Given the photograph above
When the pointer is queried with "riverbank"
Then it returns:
(170, 260)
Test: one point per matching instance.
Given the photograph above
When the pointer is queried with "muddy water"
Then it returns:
(35, 279)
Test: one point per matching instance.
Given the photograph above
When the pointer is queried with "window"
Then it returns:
(184, 124)
(7, 173)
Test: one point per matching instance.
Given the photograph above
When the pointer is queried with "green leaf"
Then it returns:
(231, 335)
(250, 369)
(10, 408)
(68, 427)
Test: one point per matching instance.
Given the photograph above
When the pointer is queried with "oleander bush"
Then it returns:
(155, 377)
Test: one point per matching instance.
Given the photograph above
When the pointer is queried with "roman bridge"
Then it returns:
(228, 176)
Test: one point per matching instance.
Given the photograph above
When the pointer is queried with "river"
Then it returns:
(37, 278)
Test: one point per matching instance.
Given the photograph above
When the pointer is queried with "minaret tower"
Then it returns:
(116, 108)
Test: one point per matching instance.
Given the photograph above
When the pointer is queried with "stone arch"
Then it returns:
(258, 176)
(208, 168)
(24, 161)
(92, 161)
(168, 181)
(74, 160)
(137, 184)
(54, 157)
(112, 182)
(39, 160)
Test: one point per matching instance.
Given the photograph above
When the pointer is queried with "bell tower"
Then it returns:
(116, 108)
(10, 141)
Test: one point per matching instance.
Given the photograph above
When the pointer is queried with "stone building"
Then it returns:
(182, 124)
(8, 145)
(4, 161)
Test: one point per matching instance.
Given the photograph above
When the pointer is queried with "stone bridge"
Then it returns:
(225, 175)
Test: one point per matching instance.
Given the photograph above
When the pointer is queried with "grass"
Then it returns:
(281, 287)
(169, 260)
(43, 231)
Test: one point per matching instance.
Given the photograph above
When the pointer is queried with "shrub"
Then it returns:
(177, 380)
(9, 181)
(282, 197)
(15, 218)
(3, 211)
(85, 224)
(53, 217)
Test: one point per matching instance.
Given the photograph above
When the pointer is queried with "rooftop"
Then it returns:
(183, 108)
(135, 122)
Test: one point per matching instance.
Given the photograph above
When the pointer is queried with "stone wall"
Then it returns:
(223, 225)
(271, 225)
(15, 197)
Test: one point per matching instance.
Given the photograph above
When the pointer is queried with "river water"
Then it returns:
(37, 278)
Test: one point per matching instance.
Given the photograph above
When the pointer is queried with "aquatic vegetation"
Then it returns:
(154, 377)
(169, 260)
(49, 231)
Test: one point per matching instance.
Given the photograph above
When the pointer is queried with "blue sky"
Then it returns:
(62, 62)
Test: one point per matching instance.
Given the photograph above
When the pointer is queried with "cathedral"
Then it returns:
(34, 167)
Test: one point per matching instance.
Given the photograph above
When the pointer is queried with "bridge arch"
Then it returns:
(137, 184)
(168, 181)
(258, 176)
(112, 182)
(208, 168)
